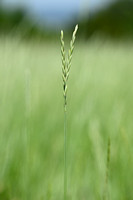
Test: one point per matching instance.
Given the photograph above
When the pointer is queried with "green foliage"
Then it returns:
(114, 21)
(10, 19)
(16, 22)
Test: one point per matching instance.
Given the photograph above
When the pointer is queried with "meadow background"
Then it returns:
(100, 105)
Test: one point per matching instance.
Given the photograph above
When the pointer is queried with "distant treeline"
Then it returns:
(17, 22)
(115, 21)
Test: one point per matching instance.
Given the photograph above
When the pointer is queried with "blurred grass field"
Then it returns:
(100, 105)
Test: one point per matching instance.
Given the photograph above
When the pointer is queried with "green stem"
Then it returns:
(65, 153)
(105, 195)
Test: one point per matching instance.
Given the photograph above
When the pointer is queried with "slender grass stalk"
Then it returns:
(66, 65)
(27, 127)
(105, 194)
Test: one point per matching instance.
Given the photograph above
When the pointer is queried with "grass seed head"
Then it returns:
(66, 63)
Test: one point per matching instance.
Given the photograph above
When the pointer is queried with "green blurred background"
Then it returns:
(100, 99)
(95, 18)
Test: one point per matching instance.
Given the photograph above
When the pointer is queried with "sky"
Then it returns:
(57, 11)
(59, 4)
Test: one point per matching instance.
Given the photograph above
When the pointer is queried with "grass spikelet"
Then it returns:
(66, 65)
